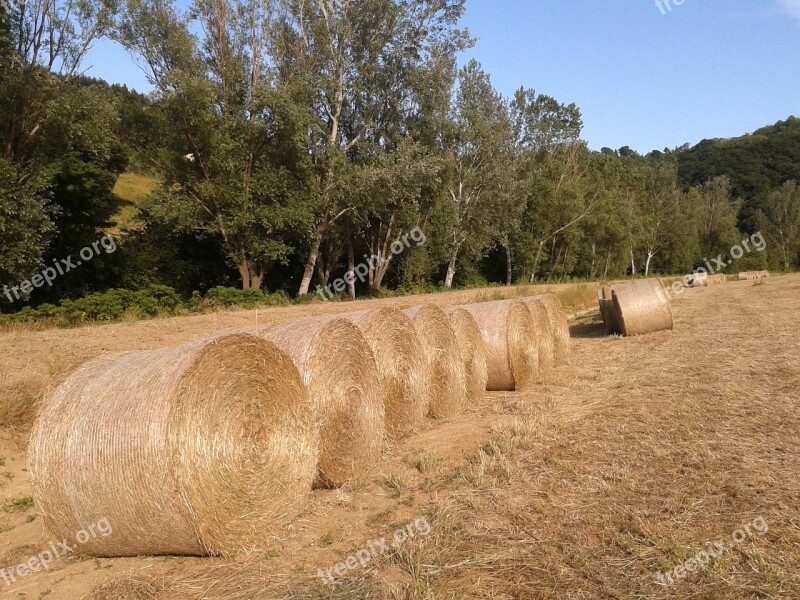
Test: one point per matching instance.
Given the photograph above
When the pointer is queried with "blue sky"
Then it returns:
(643, 76)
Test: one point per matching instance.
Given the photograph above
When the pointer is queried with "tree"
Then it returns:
(233, 166)
(478, 149)
(350, 58)
(781, 216)
(718, 216)
(47, 121)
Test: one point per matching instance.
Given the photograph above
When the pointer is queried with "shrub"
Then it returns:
(225, 296)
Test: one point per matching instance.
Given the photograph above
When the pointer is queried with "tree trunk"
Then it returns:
(564, 265)
(608, 261)
(785, 253)
(633, 265)
(509, 269)
(451, 268)
(351, 267)
(313, 253)
(252, 277)
(536, 261)
(650, 256)
(555, 265)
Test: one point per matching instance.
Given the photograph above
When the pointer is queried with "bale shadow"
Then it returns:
(588, 326)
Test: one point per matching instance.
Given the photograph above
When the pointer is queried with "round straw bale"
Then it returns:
(203, 448)
(744, 276)
(448, 378)
(473, 351)
(402, 366)
(641, 309)
(510, 337)
(545, 342)
(344, 387)
(560, 323)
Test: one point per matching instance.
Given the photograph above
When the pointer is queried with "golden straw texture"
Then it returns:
(753, 275)
(545, 337)
(346, 395)
(560, 324)
(717, 279)
(203, 448)
(641, 308)
(510, 337)
(402, 366)
(473, 352)
(448, 378)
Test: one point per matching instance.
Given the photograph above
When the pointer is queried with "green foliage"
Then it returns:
(278, 153)
(152, 301)
(222, 296)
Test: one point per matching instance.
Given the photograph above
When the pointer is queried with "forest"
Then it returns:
(286, 143)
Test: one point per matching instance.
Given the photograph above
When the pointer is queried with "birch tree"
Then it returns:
(477, 144)
(351, 58)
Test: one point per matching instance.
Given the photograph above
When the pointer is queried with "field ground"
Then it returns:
(620, 465)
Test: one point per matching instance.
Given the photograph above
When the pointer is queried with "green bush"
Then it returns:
(225, 296)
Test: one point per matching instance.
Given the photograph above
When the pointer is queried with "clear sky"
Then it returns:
(643, 76)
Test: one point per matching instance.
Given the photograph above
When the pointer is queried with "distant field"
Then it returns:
(130, 190)
(614, 468)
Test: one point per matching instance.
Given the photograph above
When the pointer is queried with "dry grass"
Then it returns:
(626, 462)
(587, 487)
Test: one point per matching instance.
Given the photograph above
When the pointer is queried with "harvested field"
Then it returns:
(618, 466)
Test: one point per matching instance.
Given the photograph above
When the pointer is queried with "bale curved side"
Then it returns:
(641, 309)
(545, 341)
(508, 331)
(448, 378)
(402, 365)
(560, 323)
(344, 386)
(203, 448)
(473, 351)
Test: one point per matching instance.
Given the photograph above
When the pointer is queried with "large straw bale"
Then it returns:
(640, 309)
(545, 335)
(448, 378)
(203, 448)
(560, 324)
(402, 366)
(510, 337)
(473, 351)
(339, 369)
